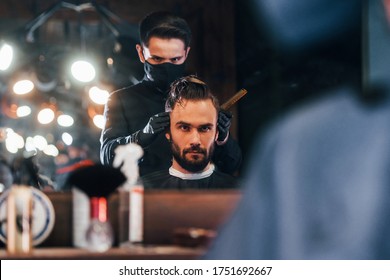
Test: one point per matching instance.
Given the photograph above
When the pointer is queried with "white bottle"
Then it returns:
(19, 220)
(81, 217)
(131, 195)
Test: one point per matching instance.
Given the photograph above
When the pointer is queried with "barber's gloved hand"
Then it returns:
(154, 127)
(224, 123)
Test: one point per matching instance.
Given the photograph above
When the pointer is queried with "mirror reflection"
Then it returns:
(61, 60)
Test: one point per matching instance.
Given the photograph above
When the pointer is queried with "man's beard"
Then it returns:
(192, 165)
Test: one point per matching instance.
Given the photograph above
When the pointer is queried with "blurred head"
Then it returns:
(300, 26)
(193, 124)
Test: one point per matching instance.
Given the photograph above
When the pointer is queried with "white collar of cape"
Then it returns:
(192, 176)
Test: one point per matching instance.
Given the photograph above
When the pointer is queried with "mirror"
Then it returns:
(229, 50)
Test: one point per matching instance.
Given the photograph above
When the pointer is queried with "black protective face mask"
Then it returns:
(164, 74)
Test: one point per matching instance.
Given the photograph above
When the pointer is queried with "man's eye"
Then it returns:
(176, 59)
(156, 59)
(205, 129)
(184, 127)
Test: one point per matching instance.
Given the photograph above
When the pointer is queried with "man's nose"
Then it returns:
(195, 137)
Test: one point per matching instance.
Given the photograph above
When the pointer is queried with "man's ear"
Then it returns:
(168, 136)
(140, 53)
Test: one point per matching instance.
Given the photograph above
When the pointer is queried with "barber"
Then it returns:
(136, 113)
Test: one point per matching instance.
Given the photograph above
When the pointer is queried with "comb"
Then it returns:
(234, 99)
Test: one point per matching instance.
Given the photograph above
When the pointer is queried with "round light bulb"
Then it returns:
(83, 71)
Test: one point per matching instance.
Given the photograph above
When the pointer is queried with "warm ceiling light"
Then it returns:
(67, 138)
(45, 116)
(30, 147)
(11, 147)
(14, 142)
(6, 56)
(83, 71)
(51, 150)
(98, 120)
(23, 87)
(65, 120)
(23, 111)
(40, 142)
(99, 96)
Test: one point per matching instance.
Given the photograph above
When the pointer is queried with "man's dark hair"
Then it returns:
(164, 25)
(189, 88)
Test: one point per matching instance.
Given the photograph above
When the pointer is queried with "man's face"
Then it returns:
(193, 130)
(163, 50)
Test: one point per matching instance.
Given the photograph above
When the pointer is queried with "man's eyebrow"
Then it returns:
(177, 57)
(159, 57)
(182, 123)
(206, 124)
(189, 124)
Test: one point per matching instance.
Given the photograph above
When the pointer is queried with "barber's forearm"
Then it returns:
(107, 149)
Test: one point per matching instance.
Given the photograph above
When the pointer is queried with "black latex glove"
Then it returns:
(224, 123)
(154, 127)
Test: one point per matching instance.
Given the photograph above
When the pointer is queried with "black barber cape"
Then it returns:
(173, 179)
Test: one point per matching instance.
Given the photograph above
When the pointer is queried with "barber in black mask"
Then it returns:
(137, 114)
(163, 74)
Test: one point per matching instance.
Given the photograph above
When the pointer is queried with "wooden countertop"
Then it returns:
(149, 252)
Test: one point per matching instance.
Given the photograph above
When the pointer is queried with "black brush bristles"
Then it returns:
(96, 180)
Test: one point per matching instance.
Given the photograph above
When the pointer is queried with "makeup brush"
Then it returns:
(96, 180)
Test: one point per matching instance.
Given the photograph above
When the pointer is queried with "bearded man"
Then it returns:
(193, 112)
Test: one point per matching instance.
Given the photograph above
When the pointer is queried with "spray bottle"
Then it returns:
(131, 195)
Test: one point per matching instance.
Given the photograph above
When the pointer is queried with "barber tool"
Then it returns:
(91, 187)
(234, 99)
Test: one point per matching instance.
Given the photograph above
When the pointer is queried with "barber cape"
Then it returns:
(174, 179)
